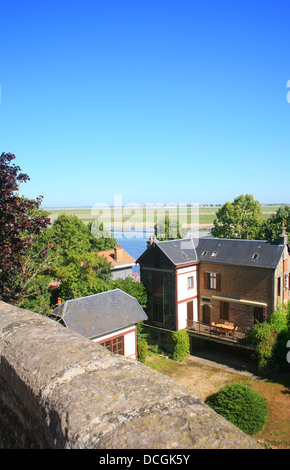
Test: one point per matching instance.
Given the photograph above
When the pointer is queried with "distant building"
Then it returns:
(120, 261)
(108, 318)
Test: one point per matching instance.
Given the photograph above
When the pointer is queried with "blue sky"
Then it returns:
(158, 101)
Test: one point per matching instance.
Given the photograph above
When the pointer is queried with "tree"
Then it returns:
(21, 221)
(137, 290)
(169, 229)
(75, 266)
(241, 218)
(131, 287)
(101, 239)
(271, 227)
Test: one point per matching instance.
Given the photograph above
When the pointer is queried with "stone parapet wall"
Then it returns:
(60, 390)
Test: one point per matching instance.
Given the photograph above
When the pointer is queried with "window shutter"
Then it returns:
(218, 282)
(206, 280)
(157, 283)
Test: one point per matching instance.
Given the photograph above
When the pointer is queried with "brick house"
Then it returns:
(210, 280)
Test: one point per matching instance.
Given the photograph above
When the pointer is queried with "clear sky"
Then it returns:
(158, 101)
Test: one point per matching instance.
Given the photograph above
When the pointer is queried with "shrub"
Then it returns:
(242, 406)
(142, 351)
(269, 339)
(155, 349)
(263, 338)
(181, 345)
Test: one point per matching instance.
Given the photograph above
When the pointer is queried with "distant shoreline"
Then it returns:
(192, 217)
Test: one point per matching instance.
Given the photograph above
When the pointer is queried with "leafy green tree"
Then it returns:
(81, 275)
(131, 287)
(102, 239)
(169, 228)
(71, 235)
(75, 266)
(241, 218)
(137, 290)
(271, 227)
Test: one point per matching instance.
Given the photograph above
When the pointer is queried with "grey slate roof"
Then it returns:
(228, 251)
(99, 314)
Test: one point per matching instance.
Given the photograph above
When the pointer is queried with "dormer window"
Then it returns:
(255, 256)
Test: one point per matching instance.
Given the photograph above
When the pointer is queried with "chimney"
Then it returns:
(283, 239)
(151, 240)
(118, 252)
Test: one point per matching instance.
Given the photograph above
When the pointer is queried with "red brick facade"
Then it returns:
(250, 292)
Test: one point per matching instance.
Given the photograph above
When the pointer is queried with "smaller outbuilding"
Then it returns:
(120, 261)
(109, 318)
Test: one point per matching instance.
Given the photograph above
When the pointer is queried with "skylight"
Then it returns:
(255, 256)
(204, 253)
(214, 254)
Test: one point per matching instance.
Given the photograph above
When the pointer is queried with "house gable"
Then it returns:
(100, 314)
(155, 257)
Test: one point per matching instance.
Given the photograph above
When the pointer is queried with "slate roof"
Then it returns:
(99, 314)
(222, 250)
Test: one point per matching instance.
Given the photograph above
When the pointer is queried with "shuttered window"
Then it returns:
(224, 310)
(157, 279)
(212, 281)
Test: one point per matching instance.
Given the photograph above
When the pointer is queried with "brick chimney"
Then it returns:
(118, 252)
(283, 239)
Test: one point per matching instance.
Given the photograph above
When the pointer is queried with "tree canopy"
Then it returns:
(169, 228)
(272, 226)
(241, 218)
(21, 221)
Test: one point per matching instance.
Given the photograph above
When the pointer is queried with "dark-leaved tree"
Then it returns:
(21, 220)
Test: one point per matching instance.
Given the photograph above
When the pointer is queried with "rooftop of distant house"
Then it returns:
(117, 256)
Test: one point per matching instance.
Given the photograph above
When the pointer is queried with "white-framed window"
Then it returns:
(212, 280)
(190, 282)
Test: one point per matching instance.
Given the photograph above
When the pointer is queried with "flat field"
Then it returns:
(193, 217)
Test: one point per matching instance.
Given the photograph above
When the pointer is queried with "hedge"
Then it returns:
(242, 406)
